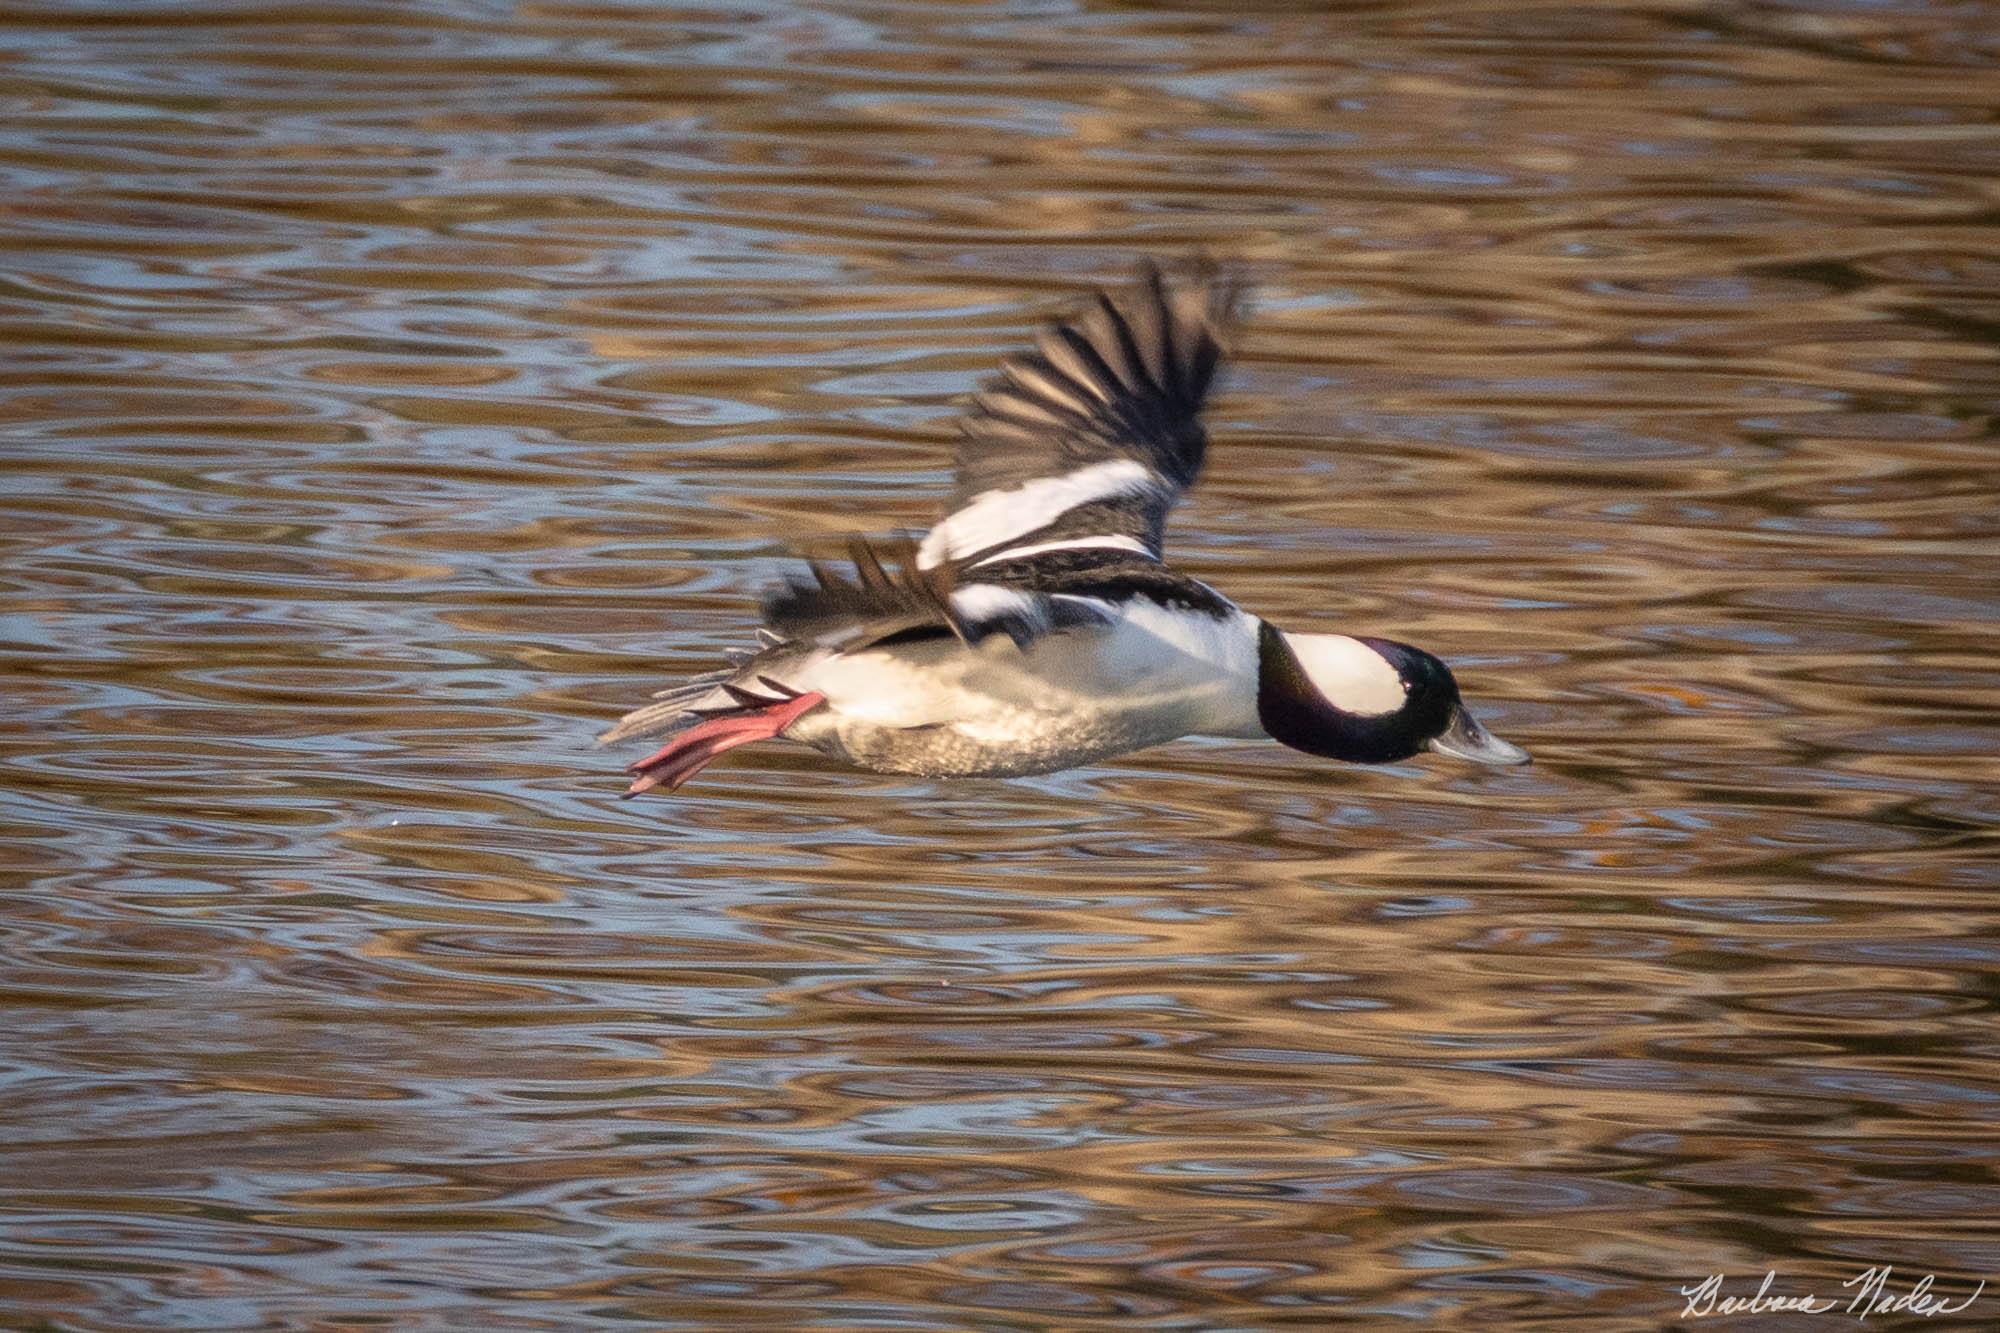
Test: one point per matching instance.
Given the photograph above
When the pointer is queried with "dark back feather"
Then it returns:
(873, 604)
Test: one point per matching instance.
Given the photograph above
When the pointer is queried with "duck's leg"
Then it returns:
(691, 751)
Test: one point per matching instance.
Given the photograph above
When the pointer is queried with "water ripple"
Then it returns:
(395, 393)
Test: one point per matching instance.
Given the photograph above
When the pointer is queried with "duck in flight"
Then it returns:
(1037, 626)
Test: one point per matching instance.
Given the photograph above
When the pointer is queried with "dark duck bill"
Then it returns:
(1464, 738)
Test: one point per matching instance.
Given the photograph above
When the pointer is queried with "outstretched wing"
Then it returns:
(1071, 459)
(1086, 442)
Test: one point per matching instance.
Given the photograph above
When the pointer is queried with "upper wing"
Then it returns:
(1087, 442)
(1071, 459)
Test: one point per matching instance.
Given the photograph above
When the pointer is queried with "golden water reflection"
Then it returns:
(395, 394)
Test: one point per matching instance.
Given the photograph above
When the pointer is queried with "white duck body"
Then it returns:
(940, 708)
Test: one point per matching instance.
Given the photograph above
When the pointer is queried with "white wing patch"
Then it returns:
(981, 608)
(993, 517)
(1108, 543)
(977, 603)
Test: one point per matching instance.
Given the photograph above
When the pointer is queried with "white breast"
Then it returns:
(1183, 668)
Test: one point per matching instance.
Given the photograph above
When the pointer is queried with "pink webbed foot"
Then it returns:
(694, 749)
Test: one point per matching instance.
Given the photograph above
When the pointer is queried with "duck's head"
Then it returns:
(1367, 701)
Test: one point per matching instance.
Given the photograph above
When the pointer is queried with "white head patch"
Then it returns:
(1349, 674)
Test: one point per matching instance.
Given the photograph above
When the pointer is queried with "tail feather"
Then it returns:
(671, 710)
(747, 686)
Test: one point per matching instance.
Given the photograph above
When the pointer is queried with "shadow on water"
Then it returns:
(396, 393)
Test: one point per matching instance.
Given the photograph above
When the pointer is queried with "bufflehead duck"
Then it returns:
(1037, 627)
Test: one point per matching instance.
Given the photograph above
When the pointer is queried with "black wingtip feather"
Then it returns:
(1127, 377)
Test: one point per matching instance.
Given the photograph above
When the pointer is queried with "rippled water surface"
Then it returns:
(393, 393)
